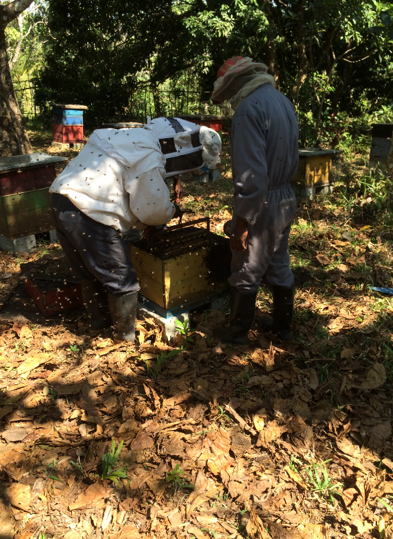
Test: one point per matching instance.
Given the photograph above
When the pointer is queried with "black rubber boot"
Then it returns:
(280, 323)
(96, 302)
(123, 312)
(242, 316)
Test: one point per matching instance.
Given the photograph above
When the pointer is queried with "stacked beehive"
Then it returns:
(68, 123)
(313, 173)
(24, 194)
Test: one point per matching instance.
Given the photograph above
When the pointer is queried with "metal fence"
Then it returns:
(144, 101)
(154, 102)
(25, 92)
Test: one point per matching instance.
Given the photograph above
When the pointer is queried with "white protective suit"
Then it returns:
(118, 178)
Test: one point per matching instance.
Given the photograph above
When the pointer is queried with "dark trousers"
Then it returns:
(93, 250)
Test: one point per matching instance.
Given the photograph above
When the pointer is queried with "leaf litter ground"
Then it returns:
(269, 440)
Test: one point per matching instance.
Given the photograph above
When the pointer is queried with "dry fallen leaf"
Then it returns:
(271, 432)
(255, 528)
(128, 532)
(348, 495)
(375, 377)
(204, 489)
(323, 260)
(193, 530)
(348, 353)
(19, 495)
(347, 447)
(7, 521)
(90, 497)
(295, 477)
(142, 441)
(313, 531)
(260, 418)
(33, 362)
(16, 434)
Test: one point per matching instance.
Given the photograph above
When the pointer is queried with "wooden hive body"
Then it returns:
(314, 169)
(181, 279)
(382, 143)
(24, 194)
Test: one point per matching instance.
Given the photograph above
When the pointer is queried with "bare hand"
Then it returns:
(178, 190)
(239, 235)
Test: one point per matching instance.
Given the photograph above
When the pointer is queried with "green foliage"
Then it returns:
(323, 484)
(174, 476)
(50, 471)
(78, 466)
(223, 416)
(124, 59)
(184, 329)
(369, 197)
(161, 358)
(109, 463)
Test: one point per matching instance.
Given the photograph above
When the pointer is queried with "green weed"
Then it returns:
(223, 416)
(184, 329)
(73, 348)
(323, 485)
(175, 477)
(161, 359)
(78, 466)
(20, 347)
(51, 469)
(109, 463)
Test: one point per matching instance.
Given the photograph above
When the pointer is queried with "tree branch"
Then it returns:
(19, 44)
(11, 11)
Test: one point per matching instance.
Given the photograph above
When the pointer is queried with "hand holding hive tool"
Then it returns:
(182, 213)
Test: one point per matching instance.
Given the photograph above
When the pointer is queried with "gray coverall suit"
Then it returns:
(264, 152)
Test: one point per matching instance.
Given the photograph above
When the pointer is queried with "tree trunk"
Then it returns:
(271, 59)
(302, 55)
(13, 135)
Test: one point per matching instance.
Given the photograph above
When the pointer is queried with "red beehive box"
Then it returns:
(67, 133)
(212, 121)
(54, 297)
(51, 285)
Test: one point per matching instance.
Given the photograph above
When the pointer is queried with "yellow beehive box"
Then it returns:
(178, 278)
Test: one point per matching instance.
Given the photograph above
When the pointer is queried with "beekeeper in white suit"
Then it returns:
(117, 182)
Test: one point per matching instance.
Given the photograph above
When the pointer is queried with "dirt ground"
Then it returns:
(270, 440)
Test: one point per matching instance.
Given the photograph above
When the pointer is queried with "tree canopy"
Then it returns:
(329, 57)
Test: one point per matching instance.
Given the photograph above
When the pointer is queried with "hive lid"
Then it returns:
(122, 125)
(73, 107)
(314, 152)
(202, 117)
(30, 160)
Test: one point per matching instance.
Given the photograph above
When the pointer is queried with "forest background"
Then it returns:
(123, 59)
(280, 440)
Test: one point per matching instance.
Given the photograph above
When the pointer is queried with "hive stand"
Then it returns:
(25, 199)
(313, 174)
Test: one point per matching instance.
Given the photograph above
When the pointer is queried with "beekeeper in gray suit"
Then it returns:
(264, 152)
